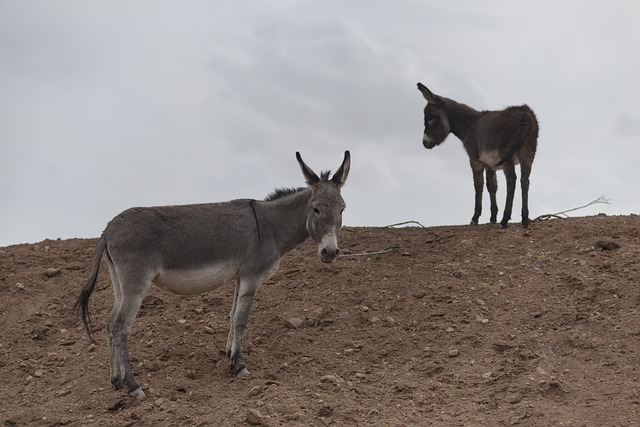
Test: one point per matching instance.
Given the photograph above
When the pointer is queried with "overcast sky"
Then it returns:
(112, 104)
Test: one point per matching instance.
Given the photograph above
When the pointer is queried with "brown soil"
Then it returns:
(449, 326)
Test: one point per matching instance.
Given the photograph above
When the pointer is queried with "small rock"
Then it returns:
(487, 375)
(390, 321)
(331, 379)
(374, 319)
(254, 417)
(182, 321)
(420, 295)
(208, 330)
(20, 286)
(450, 329)
(255, 391)
(513, 398)
(294, 322)
(92, 347)
(63, 392)
(159, 401)
(482, 320)
(52, 272)
(453, 353)
(607, 244)
(38, 373)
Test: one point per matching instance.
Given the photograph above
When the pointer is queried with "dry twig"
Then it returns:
(563, 214)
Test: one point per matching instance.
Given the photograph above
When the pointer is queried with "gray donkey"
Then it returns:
(493, 140)
(191, 249)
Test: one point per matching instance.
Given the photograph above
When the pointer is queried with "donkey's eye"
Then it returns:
(316, 211)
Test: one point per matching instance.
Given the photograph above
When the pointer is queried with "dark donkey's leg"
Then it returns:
(510, 175)
(478, 183)
(525, 171)
(492, 188)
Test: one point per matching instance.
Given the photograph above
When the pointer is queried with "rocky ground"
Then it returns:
(443, 326)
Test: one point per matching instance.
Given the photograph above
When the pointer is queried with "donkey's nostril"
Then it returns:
(323, 252)
(337, 251)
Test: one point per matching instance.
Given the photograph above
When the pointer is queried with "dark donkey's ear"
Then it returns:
(340, 177)
(428, 95)
(310, 176)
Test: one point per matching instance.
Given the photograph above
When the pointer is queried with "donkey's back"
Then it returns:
(499, 136)
(183, 237)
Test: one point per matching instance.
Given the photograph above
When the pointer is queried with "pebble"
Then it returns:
(453, 353)
(208, 330)
(513, 398)
(331, 379)
(254, 417)
(607, 244)
(52, 272)
(38, 373)
(182, 321)
(450, 329)
(255, 391)
(294, 322)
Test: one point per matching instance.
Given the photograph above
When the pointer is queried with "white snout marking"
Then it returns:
(329, 243)
(426, 139)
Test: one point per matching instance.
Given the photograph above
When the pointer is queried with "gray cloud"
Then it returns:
(108, 105)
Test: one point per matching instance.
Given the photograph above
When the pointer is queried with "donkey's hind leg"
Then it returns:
(525, 171)
(510, 175)
(478, 184)
(130, 296)
(492, 188)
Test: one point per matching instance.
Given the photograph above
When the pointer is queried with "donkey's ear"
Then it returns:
(340, 177)
(428, 95)
(310, 176)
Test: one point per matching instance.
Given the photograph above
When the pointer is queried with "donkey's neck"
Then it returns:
(461, 117)
(284, 220)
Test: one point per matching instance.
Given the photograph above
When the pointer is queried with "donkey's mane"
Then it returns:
(279, 193)
(458, 105)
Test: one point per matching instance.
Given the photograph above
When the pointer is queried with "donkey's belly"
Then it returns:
(492, 158)
(195, 281)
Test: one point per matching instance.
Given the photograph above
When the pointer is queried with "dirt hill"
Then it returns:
(444, 326)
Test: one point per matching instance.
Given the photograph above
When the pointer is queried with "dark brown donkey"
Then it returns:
(493, 140)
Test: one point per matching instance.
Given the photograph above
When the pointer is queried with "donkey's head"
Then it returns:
(324, 215)
(436, 122)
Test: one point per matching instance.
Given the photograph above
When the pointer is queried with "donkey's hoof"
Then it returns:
(243, 373)
(137, 394)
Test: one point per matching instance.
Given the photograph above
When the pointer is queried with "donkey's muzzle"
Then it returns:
(428, 143)
(328, 255)
(328, 248)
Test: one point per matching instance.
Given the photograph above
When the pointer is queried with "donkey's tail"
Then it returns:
(525, 133)
(81, 307)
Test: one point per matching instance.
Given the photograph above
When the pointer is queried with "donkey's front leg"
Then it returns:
(243, 299)
(478, 183)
